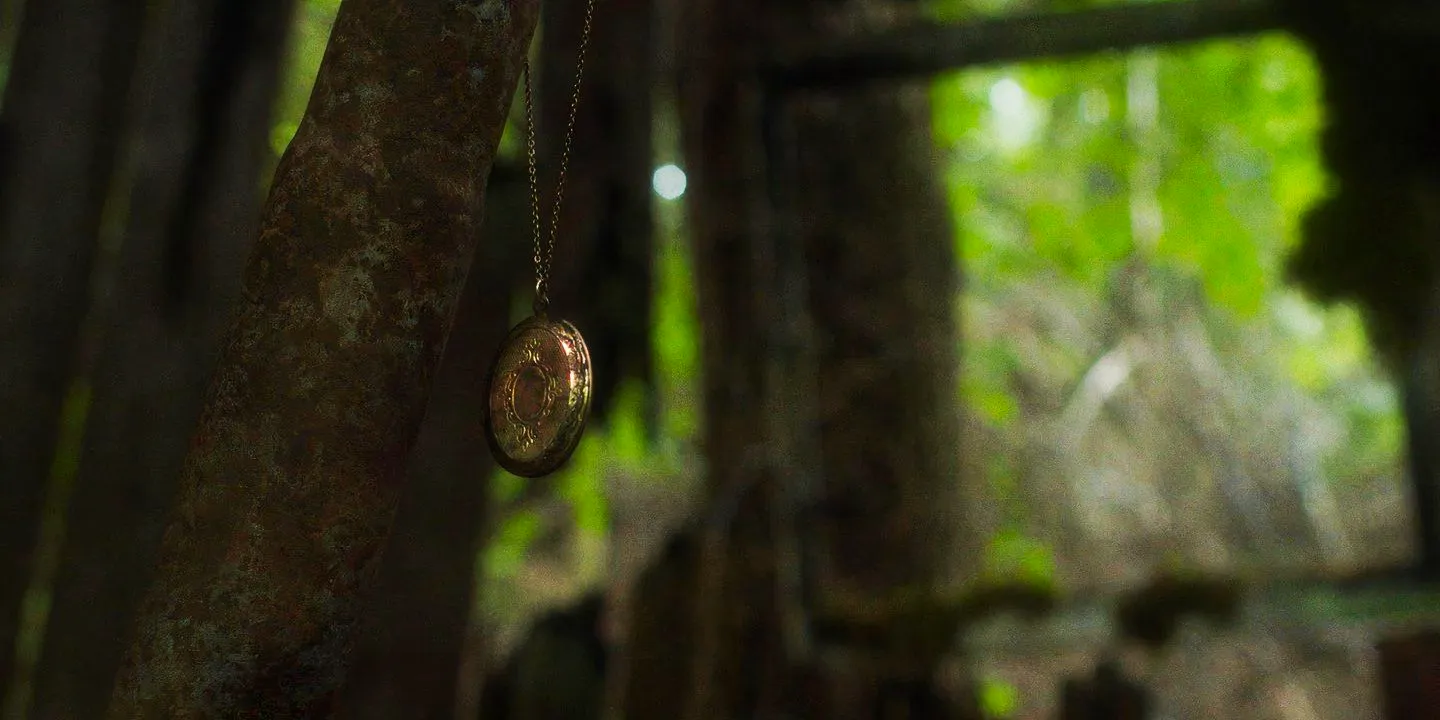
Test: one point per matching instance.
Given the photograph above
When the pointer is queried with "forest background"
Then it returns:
(1123, 222)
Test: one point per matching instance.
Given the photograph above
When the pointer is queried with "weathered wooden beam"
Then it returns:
(1410, 675)
(1283, 606)
(192, 214)
(65, 100)
(926, 48)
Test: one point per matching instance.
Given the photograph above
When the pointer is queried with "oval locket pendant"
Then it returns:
(539, 396)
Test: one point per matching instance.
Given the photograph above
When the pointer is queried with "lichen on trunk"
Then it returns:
(410, 646)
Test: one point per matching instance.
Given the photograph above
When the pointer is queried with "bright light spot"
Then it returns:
(669, 182)
(1300, 317)
(1109, 373)
(1007, 97)
(1017, 116)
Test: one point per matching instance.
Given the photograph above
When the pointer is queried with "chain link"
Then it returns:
(545, 246)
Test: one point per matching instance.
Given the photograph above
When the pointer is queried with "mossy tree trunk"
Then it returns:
(296, 469)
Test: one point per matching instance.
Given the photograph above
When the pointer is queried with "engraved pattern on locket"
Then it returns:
(539, 396)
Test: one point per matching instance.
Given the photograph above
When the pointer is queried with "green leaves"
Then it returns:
(998, 699)
(506, 552)
(1047, 164)
(1147, 201)
(1012, 556)
(582, 483)
(313, 19)
(675, 337)
(1037, 175)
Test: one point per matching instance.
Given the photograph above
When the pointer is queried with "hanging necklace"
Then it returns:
(540, 383)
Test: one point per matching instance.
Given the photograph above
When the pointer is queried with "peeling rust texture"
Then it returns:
(294, 472)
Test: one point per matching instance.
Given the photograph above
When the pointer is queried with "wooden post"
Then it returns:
(65, 106)
(295, 472)
(1382, 149)
(1410, 676)
(1108, 695)
(193, 211)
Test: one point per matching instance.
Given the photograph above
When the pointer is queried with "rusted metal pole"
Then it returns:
(294, 473)
(409, 650)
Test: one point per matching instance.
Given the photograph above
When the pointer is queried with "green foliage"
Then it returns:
(998, 699)
(506, 552)
(676, 332)
(1183, 173)
(675, 335)
(1242, 141)
(625, 433)
(1012, 556)
(11, 11)
(505, 488)
(73, 412)
(512, 137)
(985, 385)
(581, 483)
(310, 35)
(35, 604)
(1046, 158)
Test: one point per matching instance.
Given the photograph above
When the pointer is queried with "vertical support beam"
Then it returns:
(869, 347)
(64, 111)
(201, 126)
(1383, 214)
(740, 660)
(1410, 676)
(725, 647)
(880, 244)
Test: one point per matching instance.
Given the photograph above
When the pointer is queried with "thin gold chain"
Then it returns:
(545, 248)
